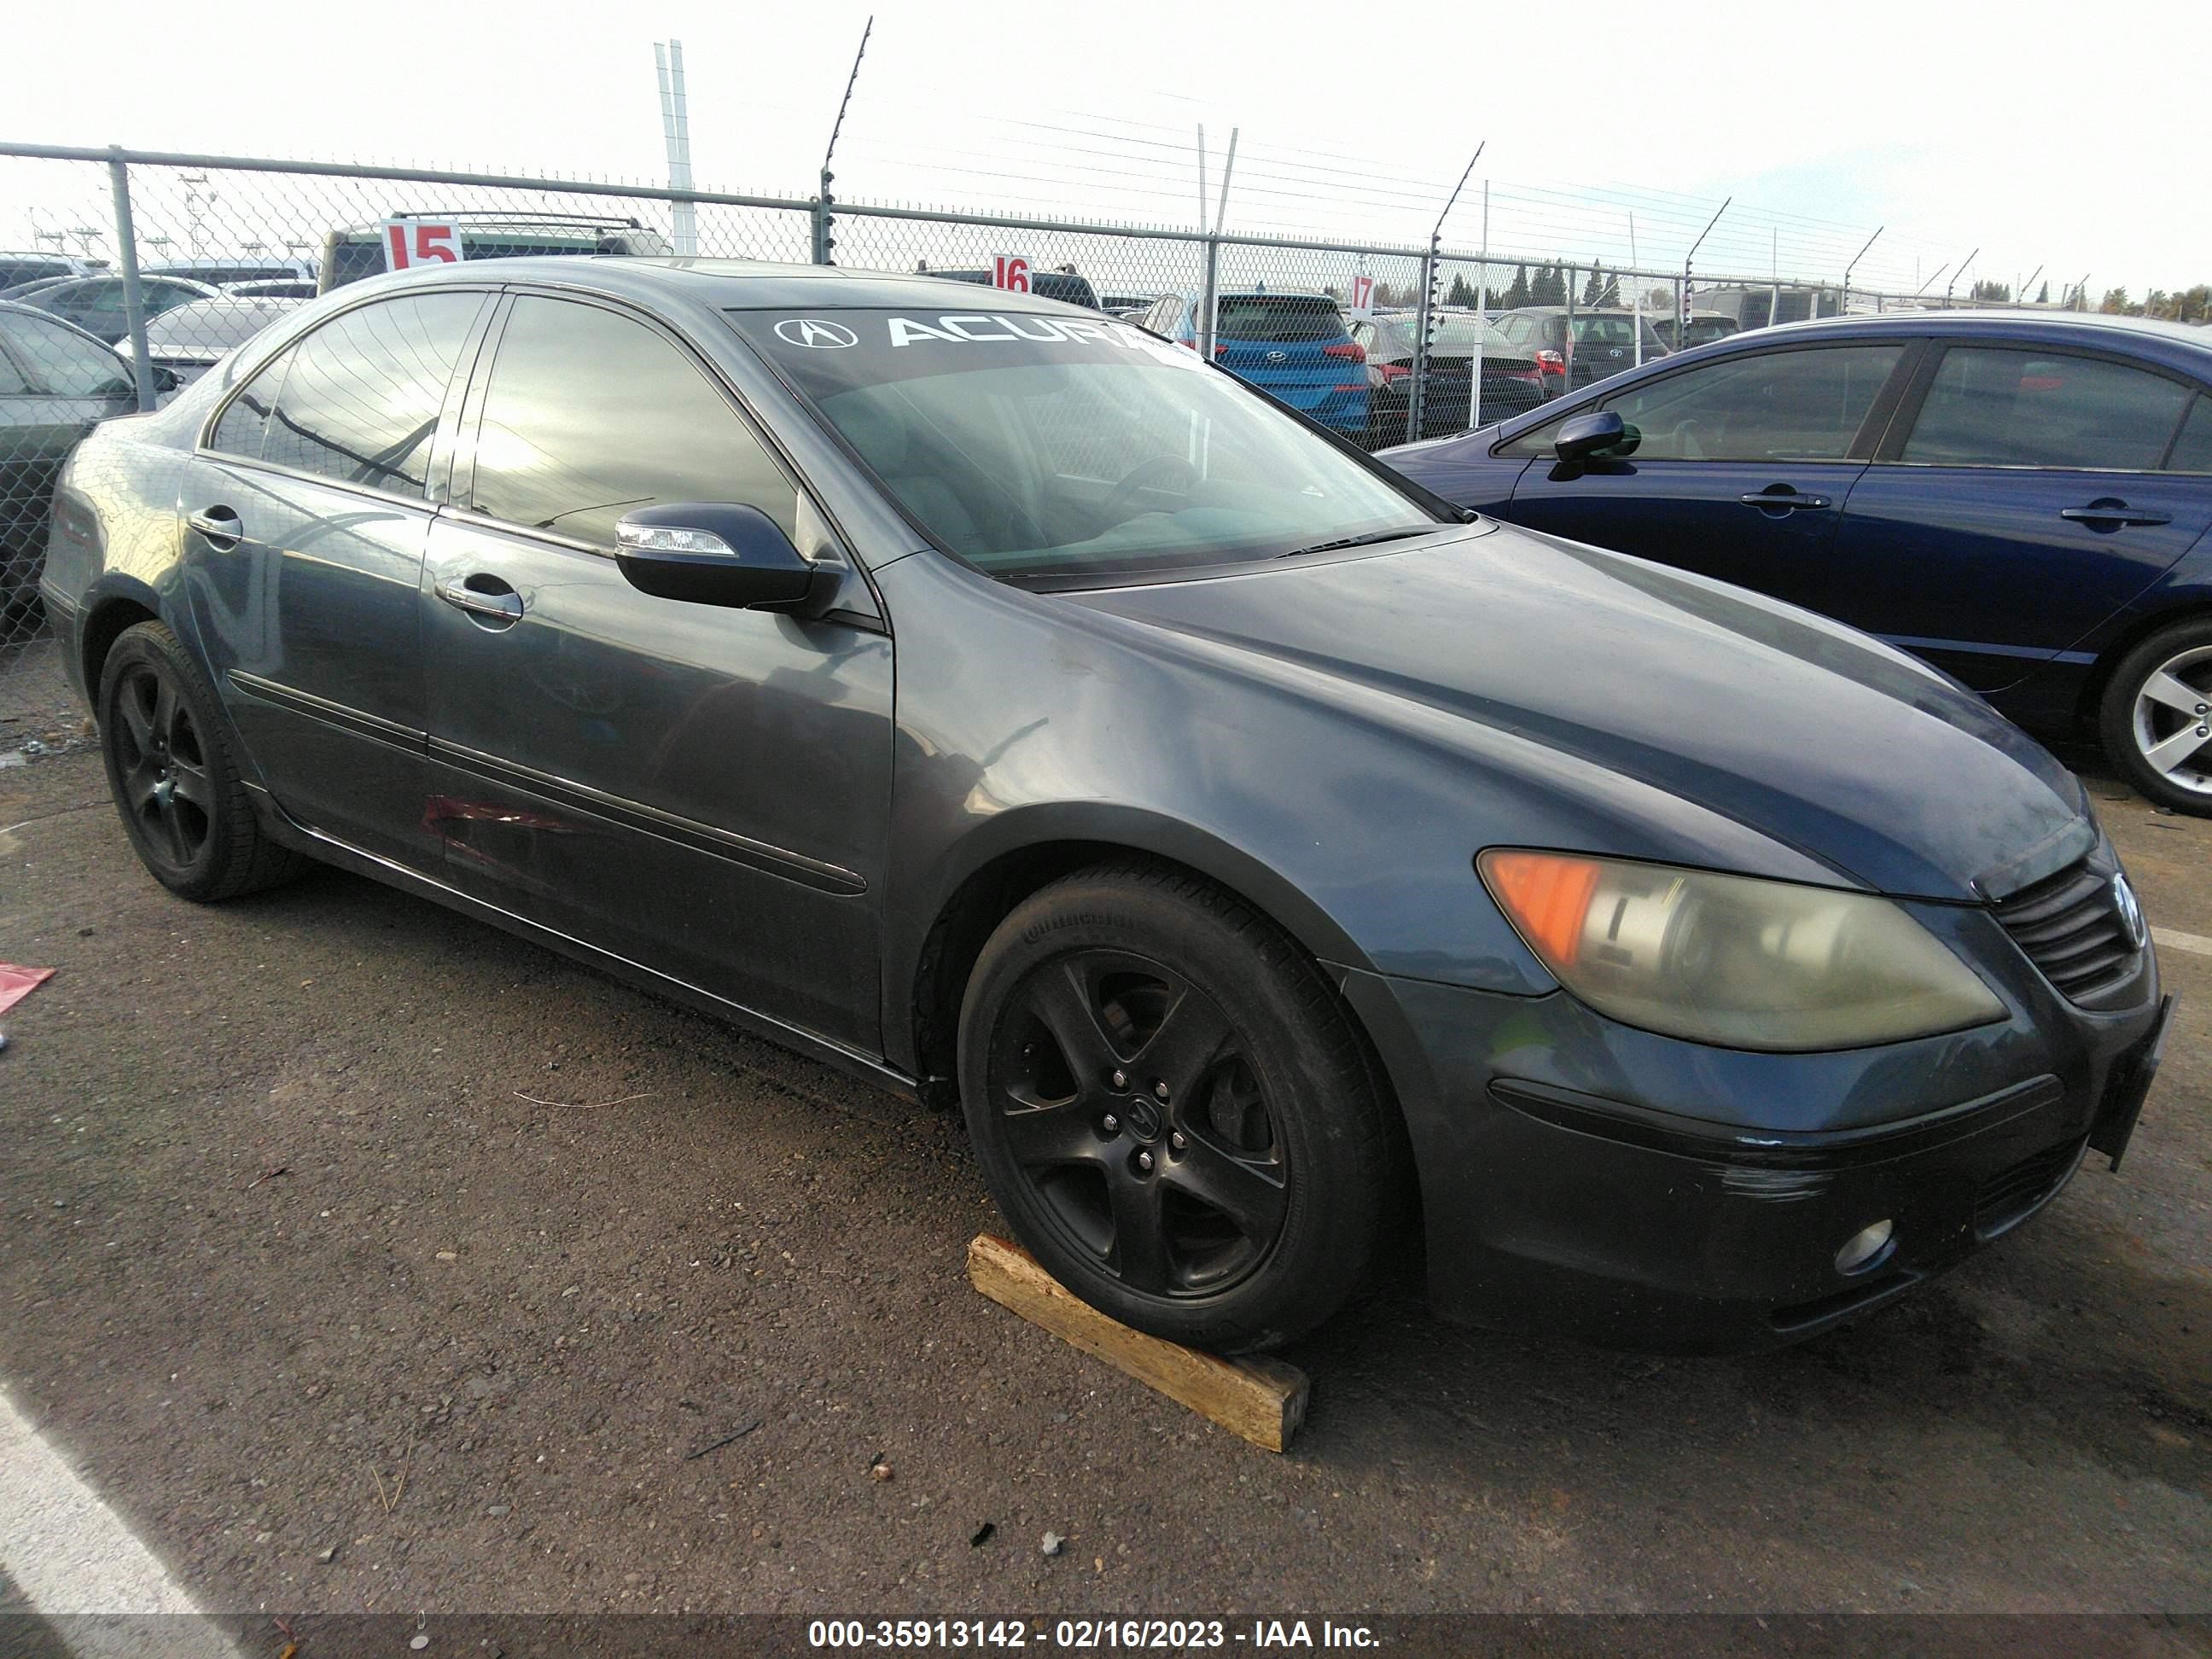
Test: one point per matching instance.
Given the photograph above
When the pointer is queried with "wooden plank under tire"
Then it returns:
(1263, 1400)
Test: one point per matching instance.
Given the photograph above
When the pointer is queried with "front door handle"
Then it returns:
(221, 526)
(481, 595)
(1786, 499)
(2110, 514)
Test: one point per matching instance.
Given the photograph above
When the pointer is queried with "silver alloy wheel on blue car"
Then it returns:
(2156, 717)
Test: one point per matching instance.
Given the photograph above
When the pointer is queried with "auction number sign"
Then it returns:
(1362, 295)
(411, 242)
(1010, 271)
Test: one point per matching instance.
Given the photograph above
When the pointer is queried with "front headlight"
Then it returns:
(1731, 960)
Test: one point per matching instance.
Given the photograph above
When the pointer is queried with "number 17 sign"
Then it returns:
(411, 242)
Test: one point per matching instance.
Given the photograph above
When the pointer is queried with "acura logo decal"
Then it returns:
(814, 333)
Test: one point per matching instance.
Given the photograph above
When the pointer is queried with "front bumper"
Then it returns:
(1585, 1179)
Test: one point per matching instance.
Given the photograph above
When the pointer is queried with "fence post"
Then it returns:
(1567, 378)
(818, 212)
(1414, 398)
(1209, 317)
(134, 298)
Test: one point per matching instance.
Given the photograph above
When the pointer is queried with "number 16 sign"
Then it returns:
(1010, 271)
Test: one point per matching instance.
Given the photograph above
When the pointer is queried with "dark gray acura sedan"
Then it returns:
(996, 700)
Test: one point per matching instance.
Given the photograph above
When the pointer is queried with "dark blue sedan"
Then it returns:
(2022, 500)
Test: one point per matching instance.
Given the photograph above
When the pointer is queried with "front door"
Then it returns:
(701, 790)
(306, 515)
(2027, 498)
(1740, 471)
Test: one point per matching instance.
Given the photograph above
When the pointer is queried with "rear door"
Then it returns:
(307, 510)
(2022, 499)
(1741, 470)
(702, 790)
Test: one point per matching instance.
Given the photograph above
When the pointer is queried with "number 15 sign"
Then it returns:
(411, 242)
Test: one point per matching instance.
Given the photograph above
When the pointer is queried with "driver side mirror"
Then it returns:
(721, 553)
(1586, 438)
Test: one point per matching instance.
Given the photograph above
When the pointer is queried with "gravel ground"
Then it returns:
(367, 1260)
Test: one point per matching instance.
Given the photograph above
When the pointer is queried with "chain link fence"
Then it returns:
(125, 275)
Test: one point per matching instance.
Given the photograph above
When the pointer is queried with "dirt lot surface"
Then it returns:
(366, 1259)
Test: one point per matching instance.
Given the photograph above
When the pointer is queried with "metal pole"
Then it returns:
(1228, 166)
(1932, 276)
(676, 134)
(1854, 264)
(2020, 293)
(1481, 319)
(1428, 300)
(821, 242)
(1957, 274)
(1567, 380)
(1682, 296)
(134, 299)
(1209, 320)
(1636, 295)
(1201, 178)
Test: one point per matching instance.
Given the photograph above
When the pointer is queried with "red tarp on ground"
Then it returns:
(16, 983)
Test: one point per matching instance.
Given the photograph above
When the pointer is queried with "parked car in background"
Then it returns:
(18, 268)
(23, 290)
(227, 272)
(1071, 287)
(1603, 343)
(1754, 306)
(1703, 328)
(1126, 304)
(56, 382)
(273, 289)
(188, 340)
(2023, 499)
(1294, 346)
(1235, 833)
(353, 251)
(1511, 380)
(95, 304)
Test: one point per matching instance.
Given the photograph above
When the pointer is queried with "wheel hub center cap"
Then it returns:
(163, 790)
(1143, 1119)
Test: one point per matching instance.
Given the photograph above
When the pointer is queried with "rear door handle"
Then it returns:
(482, 595)
(2114, 513)
(1759, 498)
(220, 525)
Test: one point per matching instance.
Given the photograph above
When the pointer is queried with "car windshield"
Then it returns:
(1051, 450)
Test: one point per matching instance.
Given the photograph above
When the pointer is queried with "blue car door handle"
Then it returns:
(2111, 514)
(1786, 500)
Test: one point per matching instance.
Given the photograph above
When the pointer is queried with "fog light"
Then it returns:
(1864, 1248)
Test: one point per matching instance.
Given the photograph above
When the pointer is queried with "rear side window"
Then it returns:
(359, 402)
(63, 363)
(590, 415)
(2192, 450)
(1778, 405)
(1278, 318)
(244, 424)
(1994, 407)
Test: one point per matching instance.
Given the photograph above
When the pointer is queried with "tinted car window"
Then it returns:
(2192, 450)
(244, 424)
(360, 401)
(12, 383)
(1277, 317)
(590, 415)
(63, 364)
(1778, 405)
(1995, 407)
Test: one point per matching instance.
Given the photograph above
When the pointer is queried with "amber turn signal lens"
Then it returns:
(1548, 896)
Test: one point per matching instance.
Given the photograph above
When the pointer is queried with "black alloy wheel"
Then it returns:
(160, 769)
(1172, 1108)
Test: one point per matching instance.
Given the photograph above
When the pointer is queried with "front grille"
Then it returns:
(2070, 925)
(2007, 1195)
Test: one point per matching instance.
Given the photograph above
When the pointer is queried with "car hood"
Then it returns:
(1809, 733)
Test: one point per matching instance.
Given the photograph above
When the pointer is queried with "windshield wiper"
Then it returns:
(1367, 540)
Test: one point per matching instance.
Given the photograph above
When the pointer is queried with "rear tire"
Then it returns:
(170, 771)
(1172, 1108)
(2159, 697)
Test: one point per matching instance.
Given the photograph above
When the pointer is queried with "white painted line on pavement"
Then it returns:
(70, 1555)
(2174, 940)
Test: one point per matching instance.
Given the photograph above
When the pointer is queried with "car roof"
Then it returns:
(724, 284)
(2015, 322)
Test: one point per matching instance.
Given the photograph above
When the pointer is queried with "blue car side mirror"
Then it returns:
(1585, 438)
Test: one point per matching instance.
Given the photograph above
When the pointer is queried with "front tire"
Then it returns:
(171, 774)
(1172, 1109)
(2155, 719)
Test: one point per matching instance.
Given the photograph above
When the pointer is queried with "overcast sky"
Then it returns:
(2043, 135)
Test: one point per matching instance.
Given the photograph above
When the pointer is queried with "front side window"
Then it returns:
(1049, 449)
(1999, 406)
(1804, 405)
(359, 402)
(63, 363)
(590, 415)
